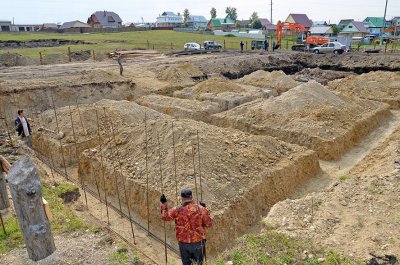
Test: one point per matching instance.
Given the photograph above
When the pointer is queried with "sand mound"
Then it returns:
(224, 92)
(122, 114)
(15, 59)
(181, 108)
(242, 174)
(381, 86)
(276, 80)
(181, 72)
(309, 115)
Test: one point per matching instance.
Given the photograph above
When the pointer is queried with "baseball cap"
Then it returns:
(186, 193)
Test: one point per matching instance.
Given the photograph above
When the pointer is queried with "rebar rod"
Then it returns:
(114, 168)
(102, 166)
(77, 153)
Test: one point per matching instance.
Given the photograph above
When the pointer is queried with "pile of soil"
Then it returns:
(122, 114)
(321, 76)
(381, 86)
(181, 72)
(241, 174)
(181, 108)
(276, 80)
(224, 92)
(81, 55)
(15, 59)
(309, 115)
(356, 216)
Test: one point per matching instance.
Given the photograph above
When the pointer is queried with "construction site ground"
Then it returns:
(308, 144)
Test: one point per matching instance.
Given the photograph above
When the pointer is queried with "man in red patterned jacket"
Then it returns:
(191, 219)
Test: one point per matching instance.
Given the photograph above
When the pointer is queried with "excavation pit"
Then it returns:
(242, 175)
(309, 115)
(120, 114)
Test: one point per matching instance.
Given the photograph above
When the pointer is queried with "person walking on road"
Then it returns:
(23, 128)
(241, 46)
(191, 219)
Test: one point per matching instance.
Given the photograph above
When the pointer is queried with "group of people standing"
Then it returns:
(266, 45)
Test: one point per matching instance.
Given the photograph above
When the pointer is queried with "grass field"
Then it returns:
(164, 41)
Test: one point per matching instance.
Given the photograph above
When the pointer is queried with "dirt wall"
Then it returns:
(181, 108)
(242, 175)
(309, 115)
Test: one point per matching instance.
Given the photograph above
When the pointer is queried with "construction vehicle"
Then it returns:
(304, 41)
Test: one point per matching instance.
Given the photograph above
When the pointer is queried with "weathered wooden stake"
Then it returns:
(4, 203)
(2, 224)
(41, 58)
(147, 175)
(94, 55)
(199, 169)
(175, 175)
(26, 192)
(194, 174)
(69, 54)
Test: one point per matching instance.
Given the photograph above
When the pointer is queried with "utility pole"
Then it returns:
(271, 12)
(383, 24)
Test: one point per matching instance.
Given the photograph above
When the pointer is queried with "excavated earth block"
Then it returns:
(242, 175)
(181, 108)
(309, 115)
(121, 113)
(380, 86)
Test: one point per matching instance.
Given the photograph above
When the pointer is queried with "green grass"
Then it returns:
(165, 41)
(64, 220)
(123, 256)
(275, 248)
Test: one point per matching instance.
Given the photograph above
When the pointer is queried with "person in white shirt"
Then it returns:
(23, 128)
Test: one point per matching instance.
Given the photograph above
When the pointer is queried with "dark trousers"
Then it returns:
(192, 253)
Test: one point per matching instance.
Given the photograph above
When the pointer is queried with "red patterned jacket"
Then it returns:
(191, 220)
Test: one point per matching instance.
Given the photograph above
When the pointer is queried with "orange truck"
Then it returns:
(304, 41)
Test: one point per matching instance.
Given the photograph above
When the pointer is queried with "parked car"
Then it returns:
(212, 45)
(330, 47)
(192, 46)
(257, 44)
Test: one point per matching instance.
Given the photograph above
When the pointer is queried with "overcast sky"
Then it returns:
(40, 11)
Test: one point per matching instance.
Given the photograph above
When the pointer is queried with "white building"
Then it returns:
(169, 19)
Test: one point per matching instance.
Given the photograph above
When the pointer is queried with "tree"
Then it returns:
(256, 24)
(335, 29)
(238, 25)
(254, 17)
(231, 12)
(213, 12)
(178, 14)
(186, 15)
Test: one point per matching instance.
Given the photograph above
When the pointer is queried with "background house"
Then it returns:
(375, 25)
(301, 19)
(267, 26)
(225, 24)
(197, 22)
(74, 25)
(354, 29)
(5, 26)
(343, 23)
(321, 30)
(105, 19)
(169, 19)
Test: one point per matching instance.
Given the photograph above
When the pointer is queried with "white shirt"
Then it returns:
(24, 126)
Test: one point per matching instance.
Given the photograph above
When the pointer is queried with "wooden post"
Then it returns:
(374, 45)
(246, 45)
(172, 49)
(153, 47)
(224, 44)
(26, 192)
(94, 55)
(41, 58)
(148, 45)
(287, 45)
(9, 59)
(69, 54)
(4, 203)
(386, 47)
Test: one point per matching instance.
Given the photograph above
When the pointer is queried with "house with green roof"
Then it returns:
(375, 25)
(224, 24)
